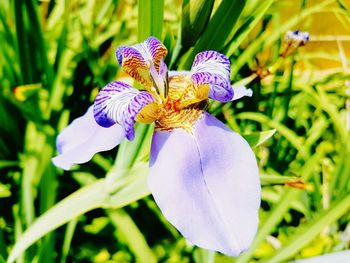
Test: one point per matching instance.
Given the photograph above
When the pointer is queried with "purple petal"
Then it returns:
(207, 185)
(120, 103)
(136, 60)
(213, 68)
(78, 142)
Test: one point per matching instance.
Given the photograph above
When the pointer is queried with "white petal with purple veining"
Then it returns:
(79, 141)
(119, 103)
(137, 59)
(213, 68)
(207, 185)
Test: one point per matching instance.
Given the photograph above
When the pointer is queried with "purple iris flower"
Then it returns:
(203, 176)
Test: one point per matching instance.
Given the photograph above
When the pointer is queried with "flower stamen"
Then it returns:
(160, 80)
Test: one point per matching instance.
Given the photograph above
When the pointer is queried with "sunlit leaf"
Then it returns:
(150, 20)
(257, 138)
(4, 191)
(195, 16)
(95, 195)
(218, 30)
(338, 257)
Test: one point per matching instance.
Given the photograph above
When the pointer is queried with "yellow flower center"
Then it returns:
(180, 109)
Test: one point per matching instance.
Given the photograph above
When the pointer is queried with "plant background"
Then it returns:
(56, 55)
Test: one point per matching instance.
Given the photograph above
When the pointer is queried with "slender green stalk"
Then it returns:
(68, 236)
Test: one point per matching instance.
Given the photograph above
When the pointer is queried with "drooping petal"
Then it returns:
(241, 91)
(137, 59)
(213, 68)
(79, 141)
(120, 103)
(207, 185)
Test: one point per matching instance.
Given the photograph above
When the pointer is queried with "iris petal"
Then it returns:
(207, 185)
(211, 67)
(241, 91)
(120, 103)
(136, 59)
(173, 73)
(79, 141)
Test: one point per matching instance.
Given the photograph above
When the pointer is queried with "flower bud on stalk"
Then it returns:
(292, 41)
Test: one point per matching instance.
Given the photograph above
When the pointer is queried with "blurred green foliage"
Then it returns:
(56, 55)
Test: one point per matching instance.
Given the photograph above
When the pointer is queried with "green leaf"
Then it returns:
(338, 257)
(80, 202)
(150, 19)
(204, 256)
(68, 236)
(290, 135)
(127, 190)
(277, 179)
(257, 138)
(4, 190)
(35, 29)
(310, 230)
(6, 163)
(97, 225)
(132, 235)
(248, 25)
(22, 43)
(195, 17)
(218, 30)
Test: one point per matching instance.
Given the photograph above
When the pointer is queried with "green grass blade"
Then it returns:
(251, 21)
(129, 150)
(132, 235)
(277, 179)
(204, 256)
(48, 190)
(338, 257)
(290, 135)
(150, 19)
(22, 43)
(68, 236)
(83, 200)
(7, 163)
(218, 30)
(18, 230)
(257, 138)
(128, 189)
(195, 17)
(3, 247)
(39, 41)
(310, 230)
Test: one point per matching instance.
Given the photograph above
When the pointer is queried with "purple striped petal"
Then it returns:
(120, 103)
(79, 141)
(213, 68)
(136, 60)
(207, 185)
